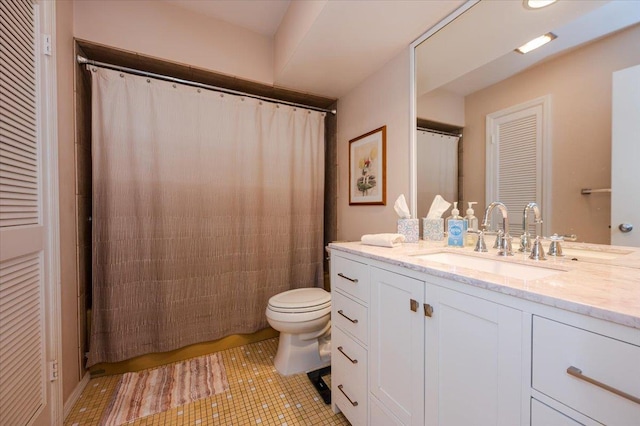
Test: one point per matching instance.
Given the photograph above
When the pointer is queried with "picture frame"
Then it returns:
(368, 168)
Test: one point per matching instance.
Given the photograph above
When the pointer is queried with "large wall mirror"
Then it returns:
(469, 80)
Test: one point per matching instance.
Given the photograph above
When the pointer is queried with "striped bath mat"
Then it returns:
(153, 391)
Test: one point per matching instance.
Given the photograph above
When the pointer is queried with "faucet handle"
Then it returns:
(506, 248)
(481, 246)
(499, 244)
(537, 251)
(525, 243)
(555, 249)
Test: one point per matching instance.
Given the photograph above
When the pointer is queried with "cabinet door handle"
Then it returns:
(577, 373)
(413, 305)
(353, 321)
(353, 280)
(428, 310)
(354, 403)
(353, 361)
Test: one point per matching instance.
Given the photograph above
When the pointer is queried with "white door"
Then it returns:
(625, 158)
(473, 361)
(396, 346)
(517, 163)
(27, 284)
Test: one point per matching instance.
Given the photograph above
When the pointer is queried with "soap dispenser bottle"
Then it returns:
(472, 226)
(456, 228)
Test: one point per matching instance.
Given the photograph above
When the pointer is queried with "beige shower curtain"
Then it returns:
(204, 206)
(437, 169)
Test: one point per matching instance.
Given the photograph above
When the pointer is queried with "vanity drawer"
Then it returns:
(351, 277)
(350, 316)
(543, 415)
(349, 377)
(565, 358)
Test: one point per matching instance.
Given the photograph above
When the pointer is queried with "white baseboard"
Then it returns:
(75, 395)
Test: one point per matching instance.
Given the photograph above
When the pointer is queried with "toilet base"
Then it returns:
(299, 356)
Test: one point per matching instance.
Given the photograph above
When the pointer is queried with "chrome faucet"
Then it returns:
(504, 239)
(525, 240)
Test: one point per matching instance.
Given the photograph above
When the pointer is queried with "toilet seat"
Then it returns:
(300, 300)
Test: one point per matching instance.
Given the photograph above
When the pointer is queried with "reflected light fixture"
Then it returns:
(535, 43)
(537, 4)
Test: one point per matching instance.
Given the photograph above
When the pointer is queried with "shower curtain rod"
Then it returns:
(83, 60)
(439, 132)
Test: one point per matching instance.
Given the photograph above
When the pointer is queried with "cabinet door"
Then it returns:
(473, 361)
(396, 347)
(380, 416)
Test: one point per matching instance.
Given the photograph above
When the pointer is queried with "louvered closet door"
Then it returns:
(23, 381)
(514, 160)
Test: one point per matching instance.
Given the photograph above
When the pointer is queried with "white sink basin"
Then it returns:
(493, 266)
(594, 254)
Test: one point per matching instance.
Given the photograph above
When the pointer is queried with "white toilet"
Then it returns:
(303, 318)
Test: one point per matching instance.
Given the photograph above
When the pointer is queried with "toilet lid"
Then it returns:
(301, 300)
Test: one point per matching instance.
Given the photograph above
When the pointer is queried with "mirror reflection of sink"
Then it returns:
(593, 254)
(493, 266)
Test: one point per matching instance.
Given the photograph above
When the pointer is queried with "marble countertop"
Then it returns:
(595, 280)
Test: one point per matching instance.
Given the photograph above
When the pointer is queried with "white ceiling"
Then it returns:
(347, 41)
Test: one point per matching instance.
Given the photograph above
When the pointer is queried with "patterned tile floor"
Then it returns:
(257, 395)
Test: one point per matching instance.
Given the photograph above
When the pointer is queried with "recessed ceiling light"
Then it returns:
(536, 42)
(537, 4)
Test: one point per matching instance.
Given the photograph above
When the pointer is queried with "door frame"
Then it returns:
(51, 211)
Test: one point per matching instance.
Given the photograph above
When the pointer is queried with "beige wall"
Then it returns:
(70, 363)
(580, 87)
(441, 106)
(159, 29)
(382, 99)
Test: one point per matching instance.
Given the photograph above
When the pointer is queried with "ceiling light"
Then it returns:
(537, 4)
(536, 42)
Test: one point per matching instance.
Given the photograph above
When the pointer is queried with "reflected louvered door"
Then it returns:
(23, 379)
(514, 172)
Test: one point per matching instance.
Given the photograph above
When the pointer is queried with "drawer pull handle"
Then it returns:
(354, 403)
(577, 373)
(353, 321)
(353, 361)
(353, 280)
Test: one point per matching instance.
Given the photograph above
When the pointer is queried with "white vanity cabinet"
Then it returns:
(434, 351)
(435, 356)
(474, 360)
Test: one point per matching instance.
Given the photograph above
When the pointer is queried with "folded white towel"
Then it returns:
(383, 240)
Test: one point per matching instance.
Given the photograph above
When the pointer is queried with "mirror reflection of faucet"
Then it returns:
(555, 249)
(503, 241)
(525, 239)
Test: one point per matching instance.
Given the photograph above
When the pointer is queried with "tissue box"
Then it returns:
(410, 228)
(433, 229)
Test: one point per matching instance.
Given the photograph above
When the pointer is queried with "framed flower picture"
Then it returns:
(367, 168)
